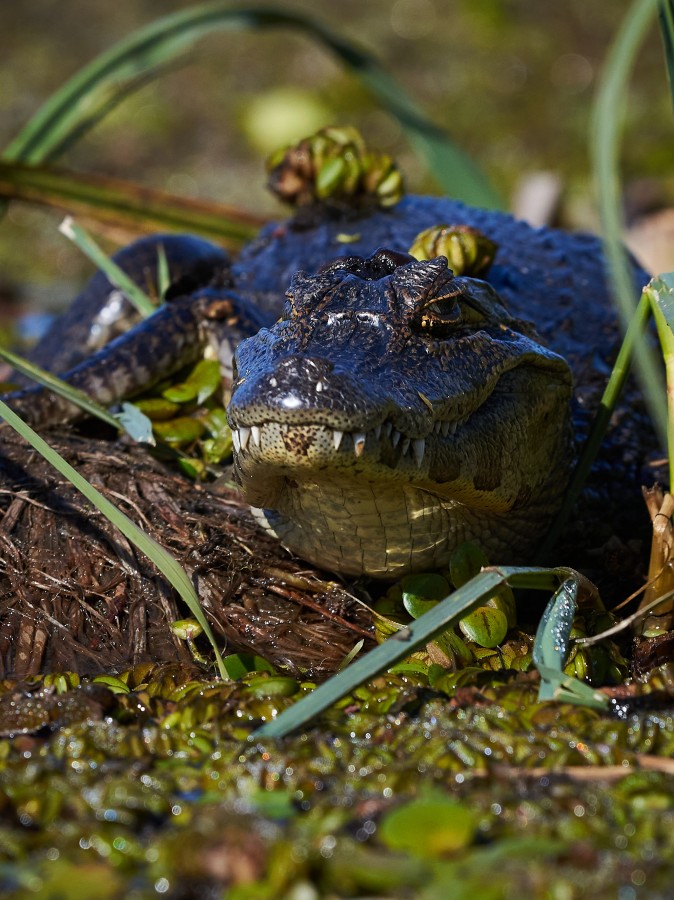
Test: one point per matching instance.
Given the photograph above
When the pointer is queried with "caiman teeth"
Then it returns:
(358, 442)
(419, 448)
(246, 437)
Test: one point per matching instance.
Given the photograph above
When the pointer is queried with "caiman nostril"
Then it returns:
(302, 372)
(310, 366)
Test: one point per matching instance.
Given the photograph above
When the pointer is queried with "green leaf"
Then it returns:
(552, 637)
(214, 450)
(136, 424)
(352, 654)
(193, 468)
(412, 667)
(328, 176)
(407, 639)
(239, 664)
(661, 292)
(201, 383)
(421, 592)
(429, 827)
(216, 422)
(274, 686)
(486, 626)
(156, 409)
(186, 629)
(151, 50)
(465, 563)
(179, 432)
(112, 683)
(453, 647)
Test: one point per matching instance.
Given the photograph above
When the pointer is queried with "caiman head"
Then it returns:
(394, 412)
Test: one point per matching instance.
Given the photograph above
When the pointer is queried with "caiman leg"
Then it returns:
(175, 336)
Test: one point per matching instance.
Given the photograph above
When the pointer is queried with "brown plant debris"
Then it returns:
(75, 595)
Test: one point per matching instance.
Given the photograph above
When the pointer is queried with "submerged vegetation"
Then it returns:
(440, 762)
(146, 783)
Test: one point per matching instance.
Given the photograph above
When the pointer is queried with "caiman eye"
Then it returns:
(440, 314)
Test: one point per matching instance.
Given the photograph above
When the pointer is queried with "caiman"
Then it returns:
(383, 409)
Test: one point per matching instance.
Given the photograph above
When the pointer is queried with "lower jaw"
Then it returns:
(359, 529)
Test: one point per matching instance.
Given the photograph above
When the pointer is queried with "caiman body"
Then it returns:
(393, 410)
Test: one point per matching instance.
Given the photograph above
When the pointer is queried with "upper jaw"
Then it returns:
(326, 444)
(315, 445)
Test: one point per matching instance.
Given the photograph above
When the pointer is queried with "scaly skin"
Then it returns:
(496, 477)
(396, 411)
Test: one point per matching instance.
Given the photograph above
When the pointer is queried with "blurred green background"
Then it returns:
(511, 80)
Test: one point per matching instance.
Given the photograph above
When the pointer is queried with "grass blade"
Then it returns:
(126, 205)
(394, 649)
(610, 100)
(551, 648)
(609, 400)
(101, 85)
(168, 566)
(60, 387)
(554, 631)
(667, 31)
(660, 293)
(416, 634)
(115, 275)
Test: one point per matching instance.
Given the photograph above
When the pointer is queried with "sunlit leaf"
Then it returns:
(156, 409)
(551, 649)
(486, 626)
(179, 432)
(274, 686)
(200, 384)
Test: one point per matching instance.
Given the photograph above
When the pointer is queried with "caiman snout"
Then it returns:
(395, 411)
